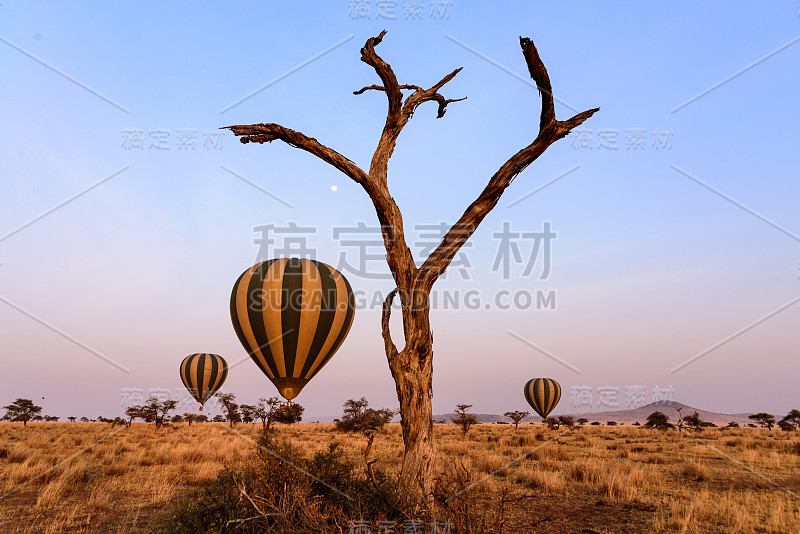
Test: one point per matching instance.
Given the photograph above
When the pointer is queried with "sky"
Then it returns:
(126, 215)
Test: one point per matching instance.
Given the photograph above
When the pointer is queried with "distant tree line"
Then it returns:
(790, 422)
(357, 416)
(155, 410)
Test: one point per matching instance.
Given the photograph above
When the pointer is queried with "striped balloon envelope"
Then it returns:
(203, 374)
(291, 315)
(543, 395)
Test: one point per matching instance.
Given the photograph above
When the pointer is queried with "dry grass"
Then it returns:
(87, 477)
(90, 477)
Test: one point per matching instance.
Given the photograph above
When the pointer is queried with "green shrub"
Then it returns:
(279, 490)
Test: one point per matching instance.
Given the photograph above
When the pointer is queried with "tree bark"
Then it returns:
(414, 382)
(412, 370)
(412, 366)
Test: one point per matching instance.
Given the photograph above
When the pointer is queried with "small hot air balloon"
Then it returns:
(291, 315)
(542, 394)
(203, 374)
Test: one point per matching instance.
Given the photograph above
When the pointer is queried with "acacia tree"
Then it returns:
(516, 416)
(412, 365)
(766, 420)
(247, 412)
(693, 421)
(566, 420)
(464, 419)
(358, 417)
(22, 410)
(133, 413)
(289, 414)
(266, 410)
(154, 410)
(231, 408)
(791, 421)
(657, 420)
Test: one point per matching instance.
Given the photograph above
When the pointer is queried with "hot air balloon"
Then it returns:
(542, 394)
(203, 374)
(291, 315)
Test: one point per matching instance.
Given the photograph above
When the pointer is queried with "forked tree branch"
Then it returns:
(414, 283)
(550, 131)
(399, 112)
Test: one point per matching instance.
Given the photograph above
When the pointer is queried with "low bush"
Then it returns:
(280, 490)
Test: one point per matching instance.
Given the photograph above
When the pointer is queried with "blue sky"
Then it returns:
(652, 265)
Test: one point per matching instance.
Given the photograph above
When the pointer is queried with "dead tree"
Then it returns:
(412, 365)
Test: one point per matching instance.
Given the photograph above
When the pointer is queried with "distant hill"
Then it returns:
(626, 417)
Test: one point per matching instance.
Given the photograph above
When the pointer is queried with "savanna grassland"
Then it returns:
(89, 477)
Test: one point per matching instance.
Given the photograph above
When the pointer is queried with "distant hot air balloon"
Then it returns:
(291, 315)
(542, 394)
(203, 374)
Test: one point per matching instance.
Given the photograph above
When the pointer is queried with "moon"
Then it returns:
(334, 188)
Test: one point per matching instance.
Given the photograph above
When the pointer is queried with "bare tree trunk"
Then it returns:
(412, 367)
(414, 386)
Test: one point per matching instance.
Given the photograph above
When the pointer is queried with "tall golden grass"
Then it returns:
(88, 477)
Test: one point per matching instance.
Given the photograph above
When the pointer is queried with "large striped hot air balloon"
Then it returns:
(203, 374)
(542, 394)
(291, 316)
